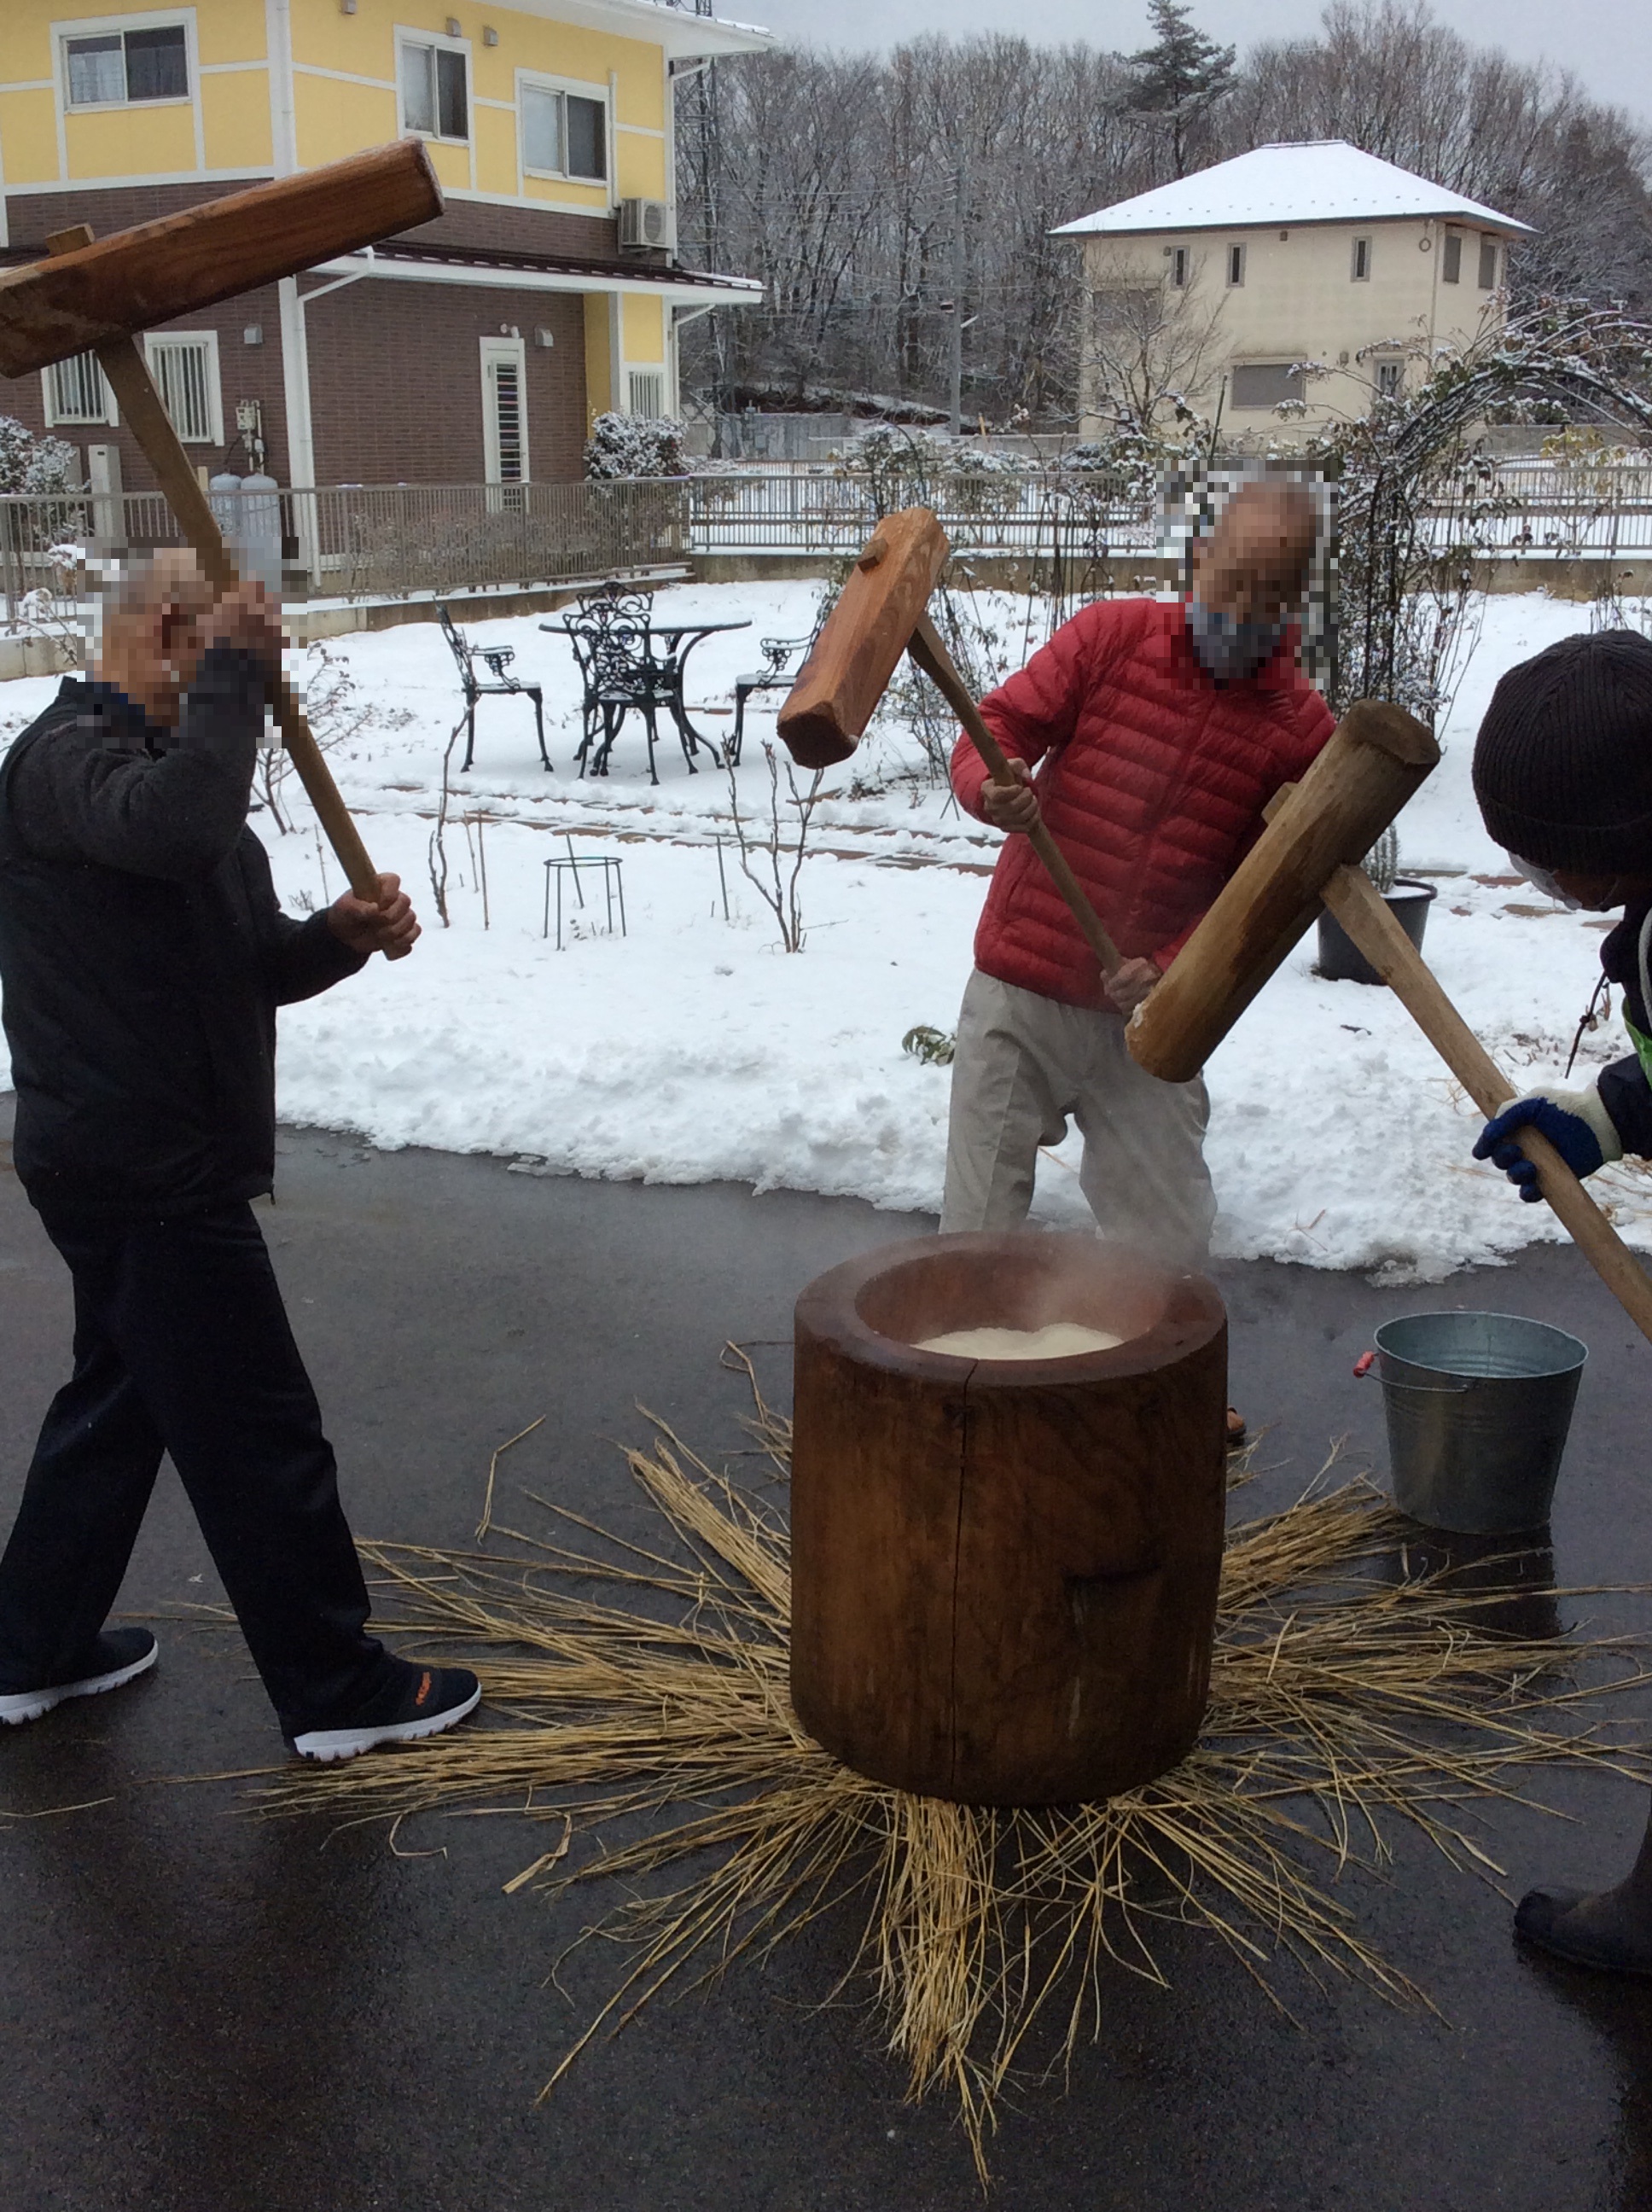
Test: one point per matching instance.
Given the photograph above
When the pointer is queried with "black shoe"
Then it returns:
(418, 1701)
(1545, 1917)
(118, 1655)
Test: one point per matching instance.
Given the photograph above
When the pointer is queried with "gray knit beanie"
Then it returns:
(1562, 764)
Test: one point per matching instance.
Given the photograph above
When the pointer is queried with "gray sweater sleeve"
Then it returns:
(176, 815)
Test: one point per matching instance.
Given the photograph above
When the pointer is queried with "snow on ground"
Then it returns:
(695, 1048)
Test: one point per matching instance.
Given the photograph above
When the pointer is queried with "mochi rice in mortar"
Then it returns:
(1052, 1317)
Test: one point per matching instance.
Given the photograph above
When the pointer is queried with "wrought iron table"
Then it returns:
(679, 640)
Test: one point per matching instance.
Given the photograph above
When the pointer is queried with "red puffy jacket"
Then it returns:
(1153, 783)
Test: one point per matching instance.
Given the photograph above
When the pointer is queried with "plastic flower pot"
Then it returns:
(1340, 959)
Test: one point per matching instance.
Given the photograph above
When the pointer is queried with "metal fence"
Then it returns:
(990, 513)
(394, 541)
(373, 541)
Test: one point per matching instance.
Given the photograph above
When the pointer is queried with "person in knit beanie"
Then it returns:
(1562, 772)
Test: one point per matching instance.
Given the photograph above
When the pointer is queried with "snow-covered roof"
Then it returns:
(1326, 181)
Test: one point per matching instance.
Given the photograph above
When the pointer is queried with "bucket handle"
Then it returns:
(1367, 1360)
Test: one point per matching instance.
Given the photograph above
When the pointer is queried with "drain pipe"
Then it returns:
(300, 432)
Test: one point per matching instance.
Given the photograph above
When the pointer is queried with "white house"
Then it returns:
(1221, 285)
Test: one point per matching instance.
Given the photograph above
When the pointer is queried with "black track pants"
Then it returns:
(182, 1345)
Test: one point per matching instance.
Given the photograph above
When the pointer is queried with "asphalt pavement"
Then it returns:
(206, 2012)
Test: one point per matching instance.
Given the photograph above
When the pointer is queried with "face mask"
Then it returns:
(1541, 880)
(1227, 647)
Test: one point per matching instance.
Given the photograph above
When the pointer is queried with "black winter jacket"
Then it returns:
(143, 954)
(1623, 1086)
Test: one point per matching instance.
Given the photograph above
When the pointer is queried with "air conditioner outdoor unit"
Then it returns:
(645, 222)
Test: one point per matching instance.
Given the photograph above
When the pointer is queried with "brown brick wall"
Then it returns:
(33, 216)
(395, 380)
(246, 372)
(395, 372)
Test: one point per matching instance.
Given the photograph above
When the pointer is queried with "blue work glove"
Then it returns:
(1576, 1122)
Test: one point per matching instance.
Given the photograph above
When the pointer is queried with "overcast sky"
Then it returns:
(1606, 43)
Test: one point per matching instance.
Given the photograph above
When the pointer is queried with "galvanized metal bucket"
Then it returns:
(1478, 1407)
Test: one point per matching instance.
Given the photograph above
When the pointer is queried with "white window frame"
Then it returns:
(436, 41)
(656, 372)
(1359, 260)
(105, 27)
(1488, 244)
(1451, 263)
(1237, 258)
(503, 349)
(109, 419)
(157, 342)
(1182, 264)
(538, 80)
(1395, 367)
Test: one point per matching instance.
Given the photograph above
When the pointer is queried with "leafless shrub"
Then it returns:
(772, 858)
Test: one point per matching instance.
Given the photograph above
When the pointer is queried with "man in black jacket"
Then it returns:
(1562, 772)
(142, 957)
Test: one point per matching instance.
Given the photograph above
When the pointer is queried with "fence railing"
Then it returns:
(992, 514)
(393, 541)
(370, 541)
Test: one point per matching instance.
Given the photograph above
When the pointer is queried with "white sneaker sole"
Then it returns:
(29, 1705)
(327, 1744)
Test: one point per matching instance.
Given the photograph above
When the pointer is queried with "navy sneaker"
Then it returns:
(118, 1655)
(418, 1701)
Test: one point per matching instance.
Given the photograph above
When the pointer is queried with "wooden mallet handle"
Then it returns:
(930, 655)
(1366, 917)
(141, 406)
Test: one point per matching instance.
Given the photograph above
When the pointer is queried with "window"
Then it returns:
(504, 410)
(1362, 265)
(1179, 268)
(1488, 264)
(185, 366)
(435, 95)
(75, 391)
(118, 67)
(1265, 384)
(1389, 378)
(647, 392)
(1451, 265)
(564, 134)
(1236, 265)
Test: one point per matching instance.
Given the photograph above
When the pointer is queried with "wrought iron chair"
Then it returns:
(609, 637)
(618, 672)
(497, 658)
(776, 674)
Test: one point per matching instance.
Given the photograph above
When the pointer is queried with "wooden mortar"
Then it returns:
(1004, 1572)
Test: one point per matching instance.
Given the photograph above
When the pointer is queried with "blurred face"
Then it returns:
(1600, 894)
(1253, 566)
(149, 649)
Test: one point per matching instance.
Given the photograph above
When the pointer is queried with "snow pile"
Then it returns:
(693, 1049)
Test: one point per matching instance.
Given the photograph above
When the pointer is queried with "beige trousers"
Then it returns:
(1023, 1063)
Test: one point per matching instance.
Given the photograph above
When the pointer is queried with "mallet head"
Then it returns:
(861, 640)
(135, 279)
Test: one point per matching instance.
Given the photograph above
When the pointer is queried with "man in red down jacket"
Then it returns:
(1159, 731)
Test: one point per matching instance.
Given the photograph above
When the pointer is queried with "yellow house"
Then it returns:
(476, 348)
(1313, 274)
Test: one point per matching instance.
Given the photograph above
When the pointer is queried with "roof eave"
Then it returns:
(1480, 219)
(689, 288)
(684, 36)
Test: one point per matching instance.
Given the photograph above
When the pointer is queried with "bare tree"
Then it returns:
(772, 857)
(899, 207)
(1150, 345)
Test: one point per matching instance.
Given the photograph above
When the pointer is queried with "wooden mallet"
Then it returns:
(93, 295)
(881, 613)
(1307, 857)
